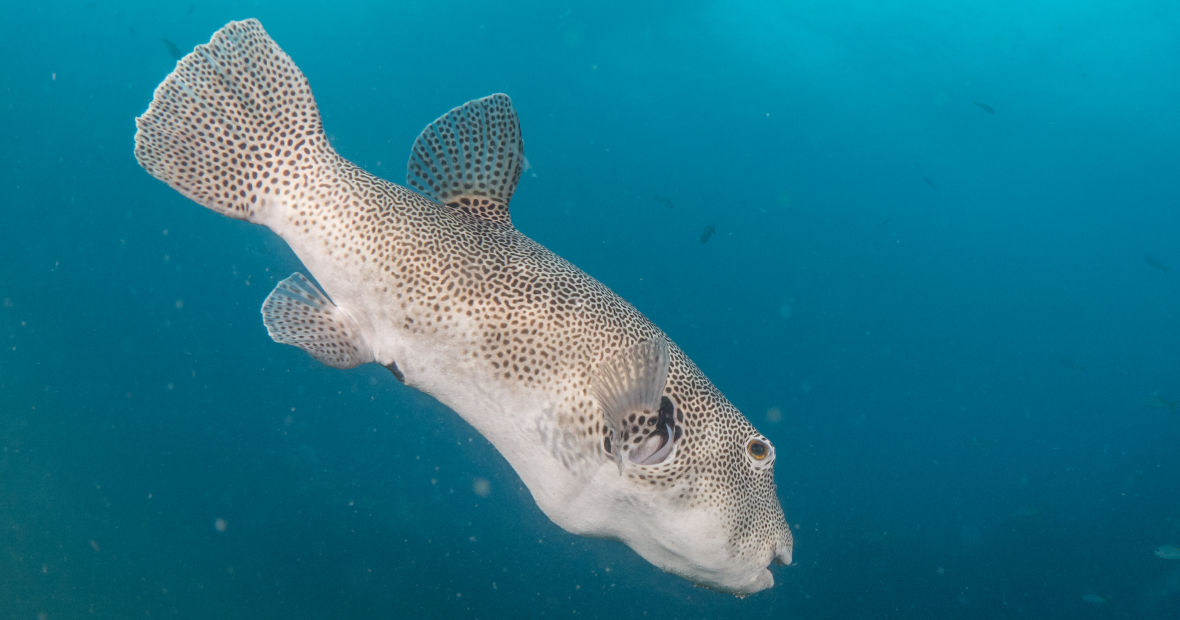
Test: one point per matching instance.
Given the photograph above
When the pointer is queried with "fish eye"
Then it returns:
(760, 451)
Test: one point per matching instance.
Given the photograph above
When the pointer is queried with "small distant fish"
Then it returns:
(1093, 599)
(1156, 402)
(172, 49)
(708, 233)
(1154, 262)
(985, 107)
(1168, 552)
(976, 441)
(667, 202)
(1066, 362)
(930, 183)
(1027, 511)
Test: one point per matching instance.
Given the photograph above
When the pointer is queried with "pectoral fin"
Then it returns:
(298, 313)
(629, 388)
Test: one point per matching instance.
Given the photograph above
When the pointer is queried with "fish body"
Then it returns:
(613, 429)
(983, 106)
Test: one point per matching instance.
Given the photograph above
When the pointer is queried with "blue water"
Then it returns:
(958, 322)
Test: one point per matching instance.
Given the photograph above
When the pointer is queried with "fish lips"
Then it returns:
(755, 580)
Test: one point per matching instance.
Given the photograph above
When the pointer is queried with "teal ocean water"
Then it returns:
(929, 248)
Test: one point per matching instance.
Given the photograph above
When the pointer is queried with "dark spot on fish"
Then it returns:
(985, 107)
(667, 414)
(932, 184)
(173, 51)
(1154, 262)
(397, 372)
(708, 233)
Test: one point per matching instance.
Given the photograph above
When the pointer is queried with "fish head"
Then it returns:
(691, 488)
(716, 518)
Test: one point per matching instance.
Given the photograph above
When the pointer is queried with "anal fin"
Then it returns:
(299, 314)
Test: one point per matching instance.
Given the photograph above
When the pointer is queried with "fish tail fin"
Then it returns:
(234, 127)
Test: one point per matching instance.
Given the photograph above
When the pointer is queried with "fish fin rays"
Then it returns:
(630, 381)
(299, 314)
(234, 127)
(471, 158)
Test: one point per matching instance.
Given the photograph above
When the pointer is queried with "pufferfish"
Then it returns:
(615, 432)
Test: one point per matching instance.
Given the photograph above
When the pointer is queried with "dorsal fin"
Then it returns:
(471, 158)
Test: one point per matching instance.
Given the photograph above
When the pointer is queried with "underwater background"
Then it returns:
(929, 248)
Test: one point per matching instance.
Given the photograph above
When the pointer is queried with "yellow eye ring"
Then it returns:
(757, 449)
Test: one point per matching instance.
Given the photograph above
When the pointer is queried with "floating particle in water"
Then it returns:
(1093, 599)
(1027, 511)
(219, 524)
(970, 535)
(481, 487)
(774, 415)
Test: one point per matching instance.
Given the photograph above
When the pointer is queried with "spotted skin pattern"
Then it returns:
(437, 285)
